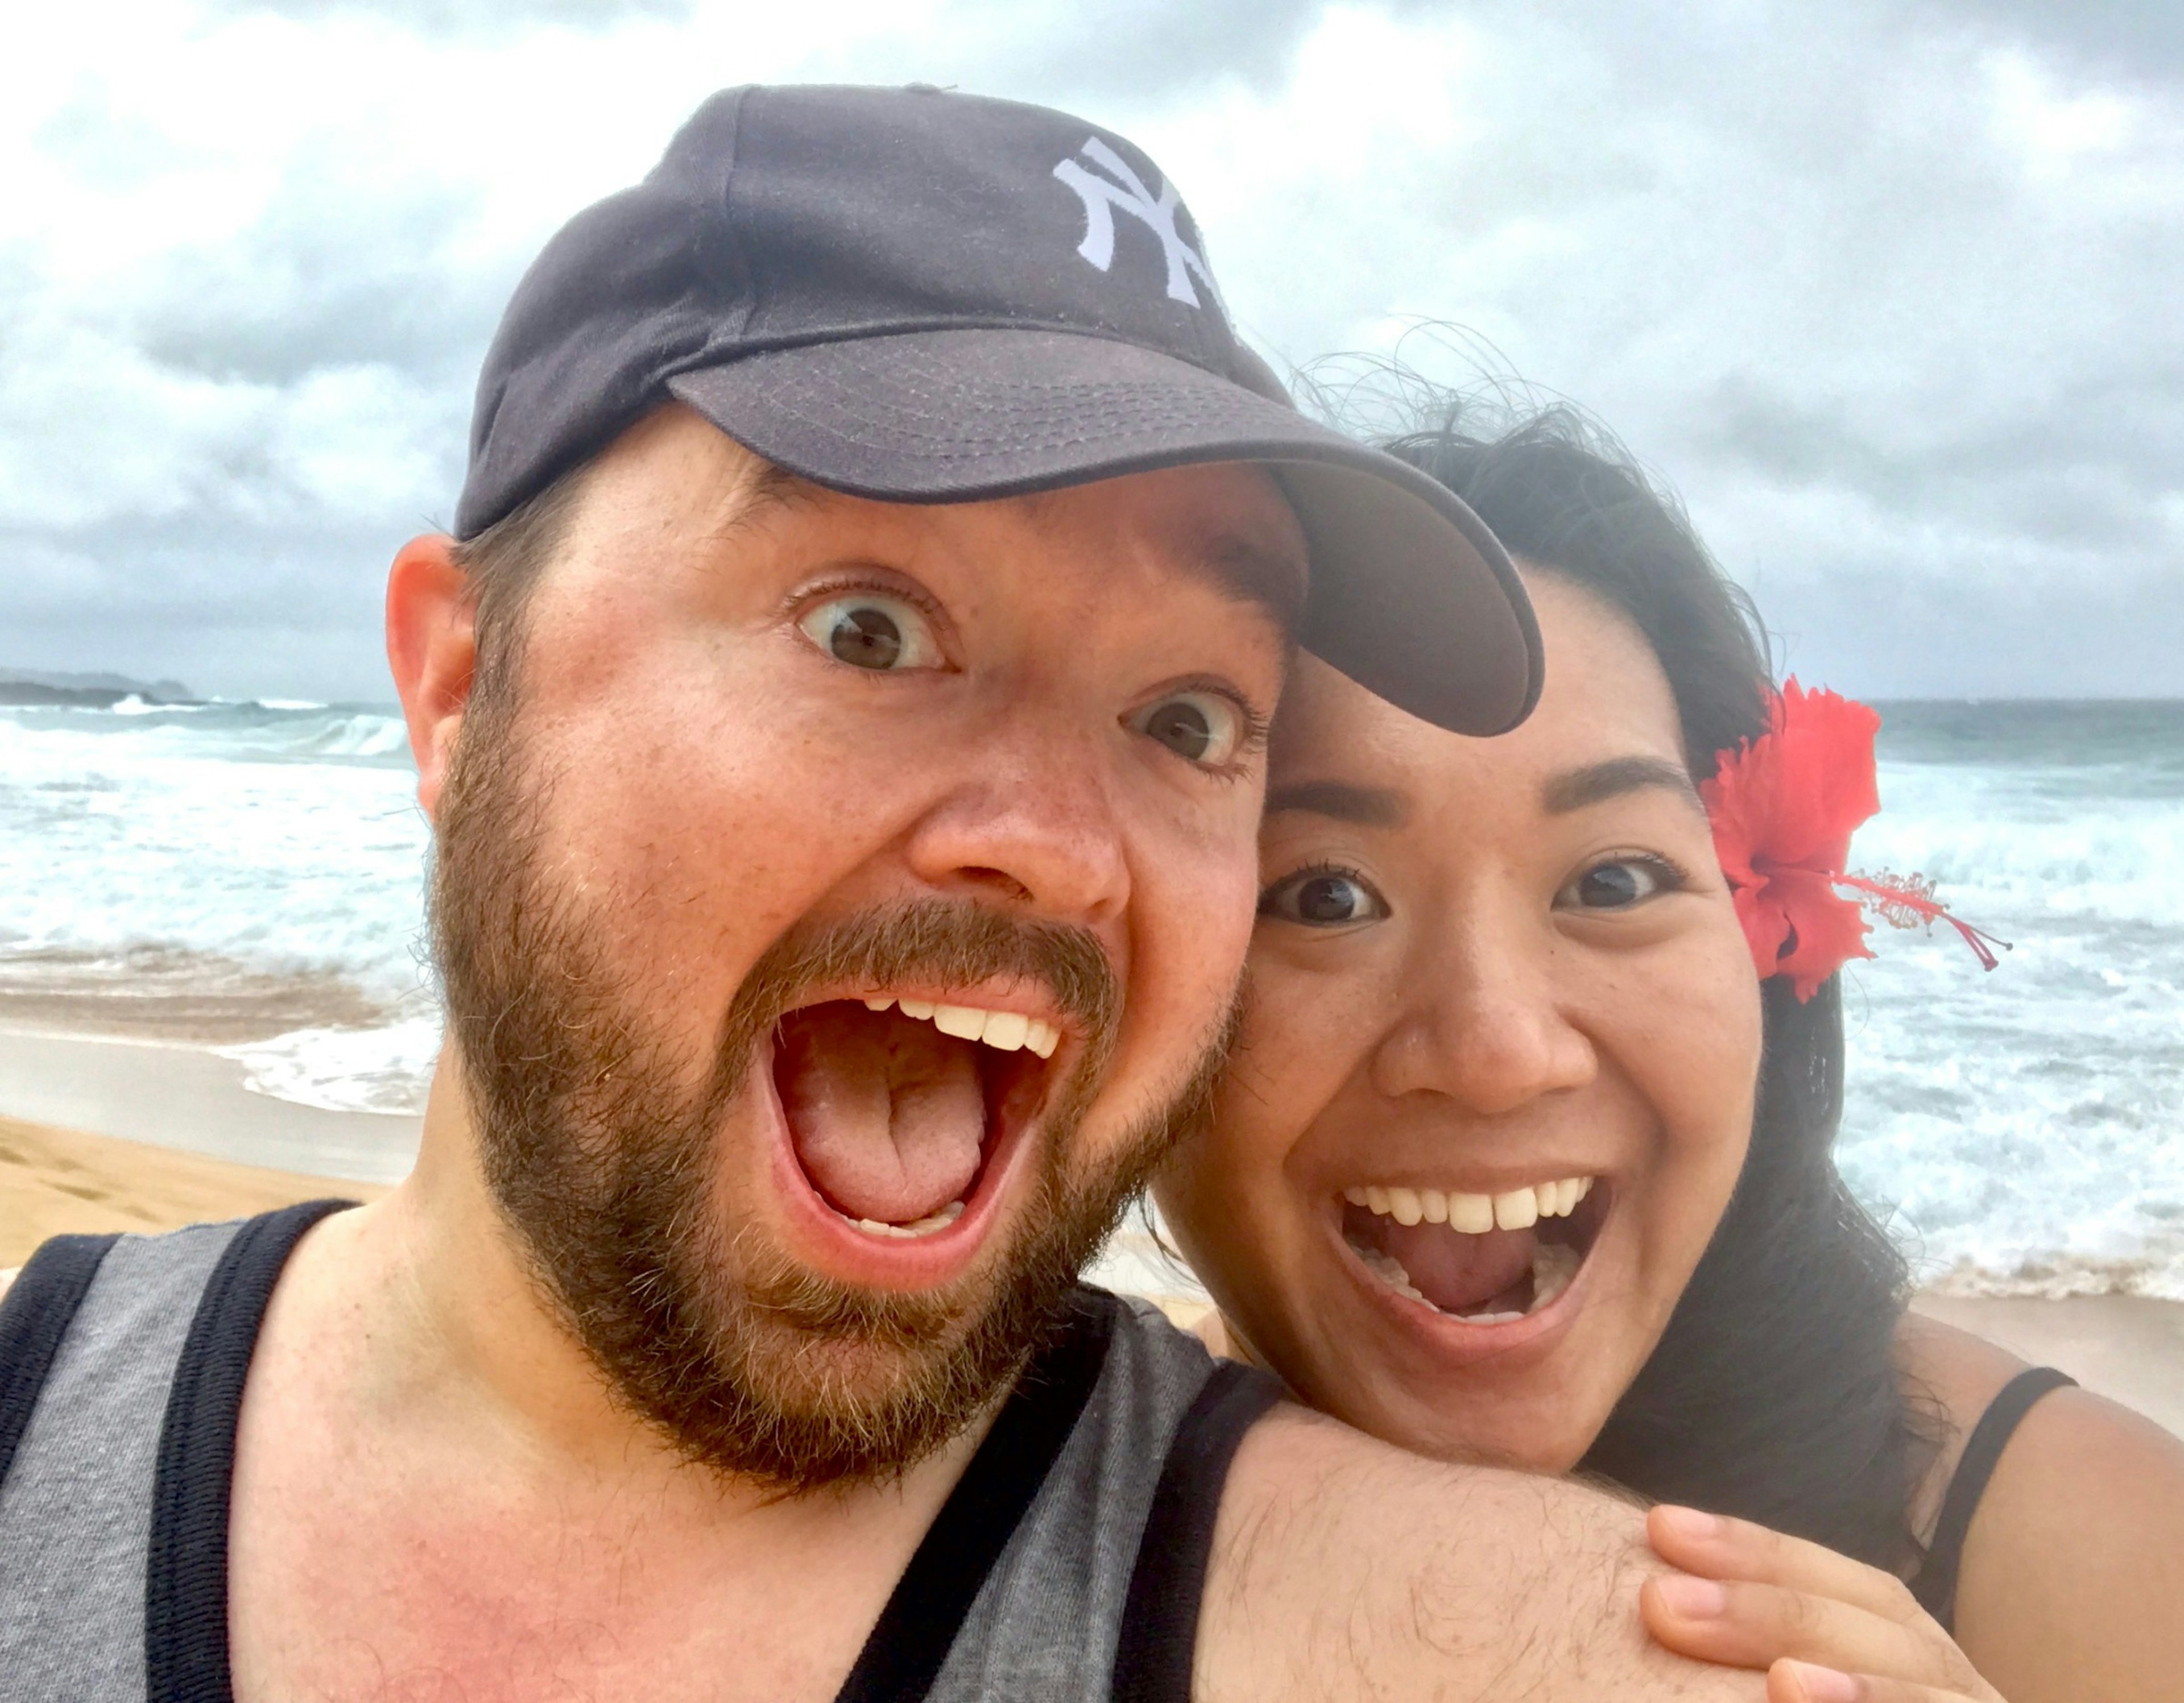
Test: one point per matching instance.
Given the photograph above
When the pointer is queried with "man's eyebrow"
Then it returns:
(1573, 789)
(763, 488)
(1368, 807)
(1248, 572)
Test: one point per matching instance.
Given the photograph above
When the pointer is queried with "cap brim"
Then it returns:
(1411, 596)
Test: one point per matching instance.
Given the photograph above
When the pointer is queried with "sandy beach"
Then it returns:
(105, 1132)
(56, 1181)
(100, 1134)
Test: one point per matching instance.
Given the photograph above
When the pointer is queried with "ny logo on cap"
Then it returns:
(1126, 191)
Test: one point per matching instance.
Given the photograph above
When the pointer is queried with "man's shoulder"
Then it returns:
(1344, 1566)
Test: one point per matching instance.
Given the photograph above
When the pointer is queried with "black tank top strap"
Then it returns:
(185, 1654)
(1935, 1584)
(34, 1318)
(1160, 1615)
(910, 1642)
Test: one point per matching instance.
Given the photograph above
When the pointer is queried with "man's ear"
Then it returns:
(432, 645)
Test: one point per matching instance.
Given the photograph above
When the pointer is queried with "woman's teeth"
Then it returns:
(1004, 1031)
(1520, 1208)
(924, 1227)
(1553, 1266)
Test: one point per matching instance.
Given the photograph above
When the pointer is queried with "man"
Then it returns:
(842, 721)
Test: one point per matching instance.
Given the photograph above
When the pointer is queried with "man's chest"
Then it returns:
(491, 1611)
(359, 1572)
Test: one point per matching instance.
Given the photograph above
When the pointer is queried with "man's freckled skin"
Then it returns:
(714, 779)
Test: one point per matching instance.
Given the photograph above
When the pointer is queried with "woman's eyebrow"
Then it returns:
(1573, 789)
(1368, 807)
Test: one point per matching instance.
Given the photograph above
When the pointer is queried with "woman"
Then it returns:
(1524, 1158)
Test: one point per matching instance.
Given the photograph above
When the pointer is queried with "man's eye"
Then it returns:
(872, 630)
(1200, 727)
(1616, 885)
(1321, 898)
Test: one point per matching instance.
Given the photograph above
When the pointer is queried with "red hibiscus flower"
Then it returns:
(1783, 807)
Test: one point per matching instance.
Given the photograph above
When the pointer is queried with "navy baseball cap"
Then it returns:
(923, 297)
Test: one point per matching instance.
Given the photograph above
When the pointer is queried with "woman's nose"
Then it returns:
(1483, 1024)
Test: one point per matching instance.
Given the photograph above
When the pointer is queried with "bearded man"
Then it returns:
(842, 713)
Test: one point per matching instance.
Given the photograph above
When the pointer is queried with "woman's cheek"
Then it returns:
(1694, 1056)
(1301, 1009)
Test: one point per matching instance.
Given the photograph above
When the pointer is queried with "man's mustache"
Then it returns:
(947, 942)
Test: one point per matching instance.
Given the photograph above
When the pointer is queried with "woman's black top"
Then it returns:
(1935, 1584)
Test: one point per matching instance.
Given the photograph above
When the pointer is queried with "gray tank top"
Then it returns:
(114, 1511)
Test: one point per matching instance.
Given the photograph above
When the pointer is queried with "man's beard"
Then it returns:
(606, 1163)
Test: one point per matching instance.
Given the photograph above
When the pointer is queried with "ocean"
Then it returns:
(247, 878)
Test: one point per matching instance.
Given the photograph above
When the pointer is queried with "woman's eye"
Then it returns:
(1200, 727)
(1321, 898)
(1616, 885)
(872, 630)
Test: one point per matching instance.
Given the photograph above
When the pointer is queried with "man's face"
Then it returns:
(838, 900)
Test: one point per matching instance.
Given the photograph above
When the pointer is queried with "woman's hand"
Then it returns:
(1826, 1629)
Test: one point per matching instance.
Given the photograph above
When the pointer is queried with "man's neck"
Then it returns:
(455, 1324)
(421, 1428)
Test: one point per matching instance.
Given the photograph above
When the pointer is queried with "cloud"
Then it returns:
(1886, 291)
(2126, 38)
(1140, 52)
(451, 17)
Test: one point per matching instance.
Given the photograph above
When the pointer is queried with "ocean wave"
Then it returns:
(2043, 861)
(367, 735)
(384, 1070)
(224, 839)
(134, 705)
(119, 742)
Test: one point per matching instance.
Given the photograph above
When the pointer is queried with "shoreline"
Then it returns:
(172, 1094)
(103, 1133)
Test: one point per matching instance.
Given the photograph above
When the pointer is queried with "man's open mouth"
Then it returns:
(897, 1105)
(1484, 1259)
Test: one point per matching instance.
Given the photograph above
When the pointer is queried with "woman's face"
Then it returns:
(1495, 1080)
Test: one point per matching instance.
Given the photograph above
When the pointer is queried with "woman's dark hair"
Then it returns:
(1773, 1395)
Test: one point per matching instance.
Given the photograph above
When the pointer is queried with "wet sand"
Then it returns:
(171, 1095)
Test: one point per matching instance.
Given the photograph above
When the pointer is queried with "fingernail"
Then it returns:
(1824, 1684)
(1691, 1523)
(1694, 1599)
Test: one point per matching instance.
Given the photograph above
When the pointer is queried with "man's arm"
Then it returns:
(1345, 1568)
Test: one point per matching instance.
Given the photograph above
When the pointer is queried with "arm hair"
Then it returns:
(1345, 1568)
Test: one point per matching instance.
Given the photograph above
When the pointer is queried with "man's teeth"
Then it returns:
(1520, 1208)
(1553, 1266)
(1004, 1031)
(924, 1227)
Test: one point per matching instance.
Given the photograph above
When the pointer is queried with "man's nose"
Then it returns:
(1484, 1021)
(1032, 823)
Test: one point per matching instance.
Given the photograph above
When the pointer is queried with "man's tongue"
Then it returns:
(888, 1113)
(1460, 1273)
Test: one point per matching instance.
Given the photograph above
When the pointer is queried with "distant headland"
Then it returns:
(31, 686)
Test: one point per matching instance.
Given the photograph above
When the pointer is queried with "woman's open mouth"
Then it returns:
(1481, 1259)
(897, 1105)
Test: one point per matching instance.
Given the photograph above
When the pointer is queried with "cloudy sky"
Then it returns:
(1890, 293)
